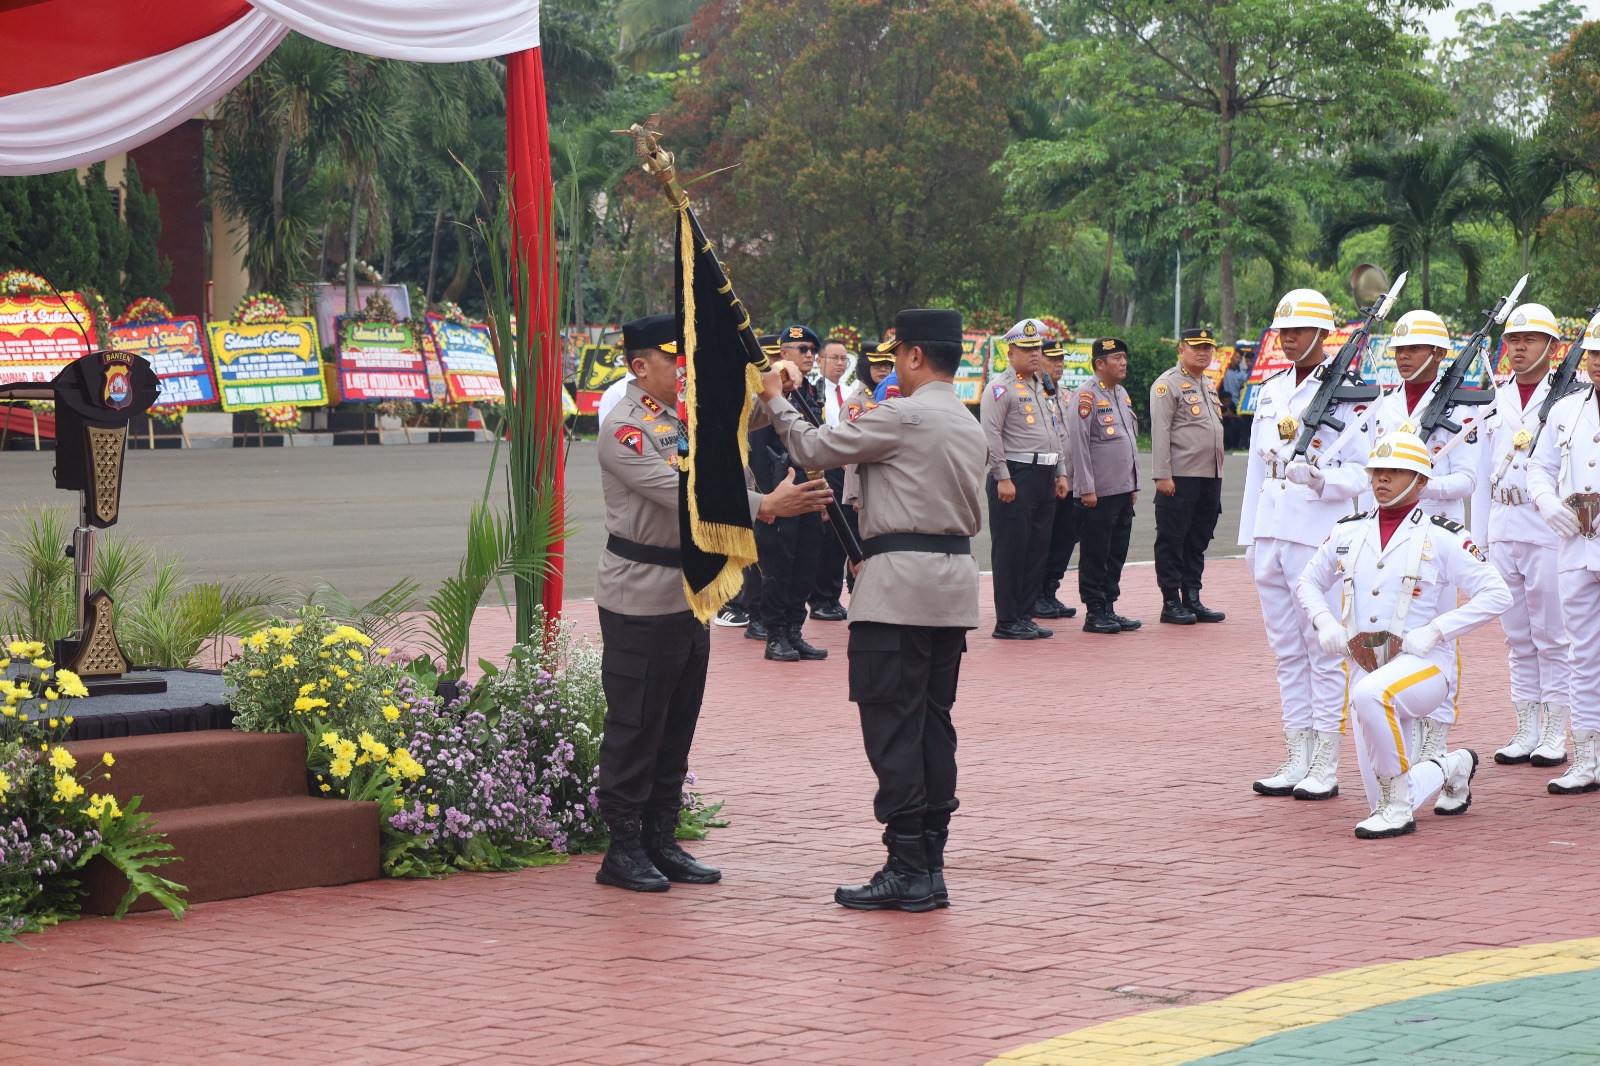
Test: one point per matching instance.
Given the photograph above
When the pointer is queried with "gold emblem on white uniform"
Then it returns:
(1286, 427)
(1521, 439)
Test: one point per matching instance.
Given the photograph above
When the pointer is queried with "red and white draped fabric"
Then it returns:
(81, 80)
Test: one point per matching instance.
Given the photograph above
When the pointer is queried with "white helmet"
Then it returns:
(1420, 327)
(1591, 335)
(1533, 318)
(1303, 307)
(1401, 451)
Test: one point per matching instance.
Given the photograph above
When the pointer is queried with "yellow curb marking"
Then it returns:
(1181, 1035)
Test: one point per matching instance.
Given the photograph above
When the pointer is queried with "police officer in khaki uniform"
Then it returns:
(1063, 524)
(1105, 465)
(653, 663)
(1027, 474)
(1186, 460)
(920, 462)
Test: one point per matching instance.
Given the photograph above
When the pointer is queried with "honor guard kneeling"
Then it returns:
(1398, 570)
(1565, 482)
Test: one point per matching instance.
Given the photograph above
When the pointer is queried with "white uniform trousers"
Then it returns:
(1541, 669)
(1580, 604)
(1383, 705)
(1311, 682)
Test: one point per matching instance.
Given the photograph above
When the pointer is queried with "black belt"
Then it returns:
(635, 552)
(937, 543)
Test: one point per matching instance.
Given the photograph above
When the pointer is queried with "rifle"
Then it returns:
(1451, 392)
(659, 164)
(1342, 383)
(1564, 381)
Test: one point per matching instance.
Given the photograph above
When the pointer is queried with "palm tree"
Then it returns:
(1425, 194)
(1524, 173)
(652, 31)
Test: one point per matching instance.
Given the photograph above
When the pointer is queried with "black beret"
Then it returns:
(651, 331)
(798, 335)
(924, 324)
(1108, 346)
(1199, 335)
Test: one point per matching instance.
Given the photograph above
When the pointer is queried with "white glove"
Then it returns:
(1331, 635)
(1307, 475)
(1422, 640)
(1250, 556)
(1557, 515)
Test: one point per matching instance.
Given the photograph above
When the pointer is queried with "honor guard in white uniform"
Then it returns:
(1420, 343)
(1289, 508)
(1521, 546)
(1397, 571)
(1564, 479)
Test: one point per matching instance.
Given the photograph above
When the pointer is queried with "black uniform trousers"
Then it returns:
(653, 671)
(788, 549)
(1185, 524)
(829, 583)
(1063, 538)
(1103, 532)
(903, 682)
(1019, 538)
(749, 598)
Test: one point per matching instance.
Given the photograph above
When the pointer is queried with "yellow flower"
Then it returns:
(62, 759)
(4, 663)
(384, 653)
(326, 788)
(108, 759)
(287, 661)
(306, 704)
(373, 746)
(340, 768)
(256, 641)
(355, 654)
(330, 640)
(388, 692)
(322, 655)
(25, 649)
(391, 712)
(42, 664)
(51, 694)
(330, 739)
(9, 711)
(69, 684)
(433, 810)
(406, 766)
(5, 784)
(257, 673)
(282, 634)
(305, 689)
(349, 633)
(345, 749)
(100, 805)
(341, 672)
(67, 787)
(53, 722)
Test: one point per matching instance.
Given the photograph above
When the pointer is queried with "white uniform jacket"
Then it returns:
(1375, 577)
(1502, 505)
(1565, 463)
(1455, 473)
(1279, 509)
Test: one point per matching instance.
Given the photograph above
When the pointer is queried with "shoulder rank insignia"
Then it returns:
(663, 429)
(651, 404)
(632, 438)
(1358, 516)
(1447, 523)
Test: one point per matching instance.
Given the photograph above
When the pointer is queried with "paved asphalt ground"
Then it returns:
(360, 518)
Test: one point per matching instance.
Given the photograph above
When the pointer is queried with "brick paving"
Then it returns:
(1108, 859)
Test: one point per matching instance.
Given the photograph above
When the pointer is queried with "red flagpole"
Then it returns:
(533, 230)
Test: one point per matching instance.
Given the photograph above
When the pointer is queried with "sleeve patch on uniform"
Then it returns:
(892, 390)
(631, 437)
(1083, 409)
(999, 391)
(1477, 552)
(1472, 436)
(1161, 390)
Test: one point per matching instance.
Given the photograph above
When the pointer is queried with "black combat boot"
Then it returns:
(832, 611)
(1127, 625)
(755, 630)
(1173, 610)
(1202, 613)
(626, 865)
(1045, 607)
(933, 841)
(1098, 619)
(902, 885)
(808, 652)
(661, 845)
(778, 647)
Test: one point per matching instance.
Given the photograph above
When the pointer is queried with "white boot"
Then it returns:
(1552, 749)
(1456, 794)
(1322, 778)
(1294, 768)
(1393, 816)
(1520, 747)
(1433, 740)
(1584, 774)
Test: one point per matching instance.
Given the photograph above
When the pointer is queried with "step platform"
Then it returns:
(235, 806)
(194, 700)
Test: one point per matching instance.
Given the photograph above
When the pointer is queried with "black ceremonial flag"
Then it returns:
(714, 407)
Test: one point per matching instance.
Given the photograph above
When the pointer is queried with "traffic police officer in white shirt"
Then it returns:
(1420, 343)
(1397, 570)
(1289, 508)
(1521, 546)
(1565, 482)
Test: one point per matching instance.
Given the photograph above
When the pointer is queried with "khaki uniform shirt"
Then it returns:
(639, 482)
(1016, 420)
(1062, 405)
(1185, 426)
(920, 464)
(1105, 446)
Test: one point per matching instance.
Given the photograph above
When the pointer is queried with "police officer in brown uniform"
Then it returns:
(653, 662)
(1027, 474)
(1064, 524)
(1186, 454)
(1105, 465)
(920, 462)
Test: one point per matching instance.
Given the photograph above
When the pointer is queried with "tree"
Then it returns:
(1574, 121)
(1523, 174)
(147, 272)
(1247, 84)
(1495, 69)
(110, 235)
(651, 32)
(1425, 194)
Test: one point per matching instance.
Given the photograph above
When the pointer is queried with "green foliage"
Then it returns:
(168, 622)
(1495, 68)
(36, 596)
(389, 618)
(110, 235)
(147, 272)
(130, 842)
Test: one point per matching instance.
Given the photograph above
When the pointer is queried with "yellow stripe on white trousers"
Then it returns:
(1383, 705)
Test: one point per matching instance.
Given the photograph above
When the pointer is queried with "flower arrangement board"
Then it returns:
(430, 358)
(175, 349)
(267, 364)
(466, 355)
(381, 361)
(598, 368)
(40, 335)
(327, 303)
